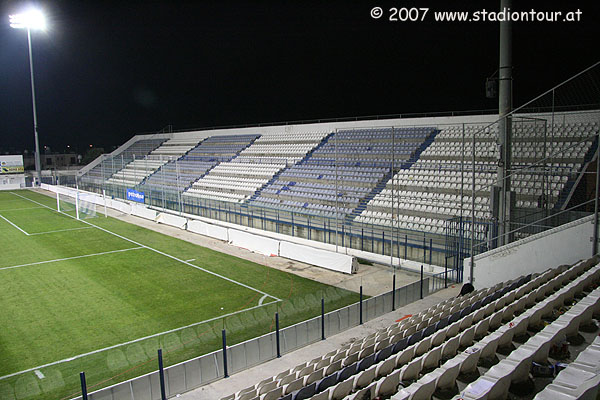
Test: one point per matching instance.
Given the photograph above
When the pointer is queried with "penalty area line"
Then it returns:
(71, 258)
(158, 251)
(6, 219)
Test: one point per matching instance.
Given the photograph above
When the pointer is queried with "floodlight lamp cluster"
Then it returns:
(32, 20)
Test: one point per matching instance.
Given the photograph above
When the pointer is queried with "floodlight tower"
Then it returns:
(31, 20)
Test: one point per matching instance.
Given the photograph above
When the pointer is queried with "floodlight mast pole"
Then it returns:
(38, 166)
(33, 19)
(504, 126)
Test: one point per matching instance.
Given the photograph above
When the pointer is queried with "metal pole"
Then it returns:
(504, 125)
(178, 191)
(84, 395)
(430, 249)
(224, 337)
(472, 266)
(421, 281)
(38, 165)
(277, 334)
(361, 307)
(446, 272)
(161, 373)
(595, 238)
(322, 318)
(392, 224)
(394, 291)
(336, 191)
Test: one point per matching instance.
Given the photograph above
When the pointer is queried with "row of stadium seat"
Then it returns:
(403, 360)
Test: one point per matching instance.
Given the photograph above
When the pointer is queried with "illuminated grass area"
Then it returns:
(71, 288)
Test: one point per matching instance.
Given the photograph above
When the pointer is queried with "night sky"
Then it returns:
(105, 71)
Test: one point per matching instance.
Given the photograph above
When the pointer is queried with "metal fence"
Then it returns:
(202, 370)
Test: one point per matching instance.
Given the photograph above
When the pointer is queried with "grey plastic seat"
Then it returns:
(384, 353)
(366, 363)
(305, 393)
(326, 382)
(346, 372)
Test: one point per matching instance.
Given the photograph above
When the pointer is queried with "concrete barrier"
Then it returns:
(255, 243)
(206, 229)
(172, 220)
(321, 258)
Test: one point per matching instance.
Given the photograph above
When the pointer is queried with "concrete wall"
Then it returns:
(565, 244)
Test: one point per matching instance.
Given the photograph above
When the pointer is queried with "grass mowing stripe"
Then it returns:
(158, 251)
(19, 209)
(71, 258)
(129, 342)
(6, 219)
(60, 230)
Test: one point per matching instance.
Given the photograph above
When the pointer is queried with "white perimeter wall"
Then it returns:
(565, 244)
(234, 234)
(10, 182)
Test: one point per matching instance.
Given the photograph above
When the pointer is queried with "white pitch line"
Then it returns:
(260, 302)
(39, 374)
(72, 258)
(126, 343)
(158, 251)
(61, 230)
(4, 218)
(190, 260)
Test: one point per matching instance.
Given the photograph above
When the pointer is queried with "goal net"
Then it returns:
(79, 206)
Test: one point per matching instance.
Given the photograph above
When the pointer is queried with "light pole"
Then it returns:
(31, 20)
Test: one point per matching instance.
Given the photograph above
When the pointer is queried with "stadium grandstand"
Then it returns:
(415, 194)
(408, 257)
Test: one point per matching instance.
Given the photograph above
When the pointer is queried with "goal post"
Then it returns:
(80, 206)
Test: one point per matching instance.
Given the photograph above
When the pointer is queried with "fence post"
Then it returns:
(446, 272)
(224, 336)
(277, 334)
(161, 374)
(424, 250)
(430, 249)
(406, 247)
(361, 301)
(322, 318)
(394, 292)
(421, 281)
(84, 395)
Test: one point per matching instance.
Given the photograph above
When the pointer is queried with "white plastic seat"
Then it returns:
(450, 348)
(364, 378)
(405, 356)
(385, 367)
(466, 338)
(468, 360)
(410, 372)
(431, 359)
(388, 385)
(423, 346)
(341, 390)
(447, 374)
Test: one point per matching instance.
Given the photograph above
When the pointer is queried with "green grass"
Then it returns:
(60, 309)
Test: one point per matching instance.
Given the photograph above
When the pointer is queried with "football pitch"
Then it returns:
(101, 296)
